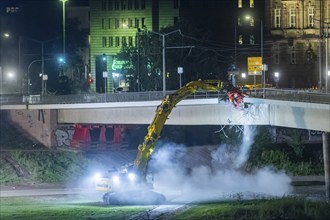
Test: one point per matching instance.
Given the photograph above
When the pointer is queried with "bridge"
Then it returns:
(286, 108)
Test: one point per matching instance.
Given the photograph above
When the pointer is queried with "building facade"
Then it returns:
(296, 41)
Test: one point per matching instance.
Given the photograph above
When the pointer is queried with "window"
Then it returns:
(103, 23)
(129, 4)
(124, 24)
(136, 4)
(251, 22)
(123, 5)
(251, 3)
(143, 22)
(252, 39)
(110, 5)
(293, 56)
(240, 5)
(117, 42)
(130, 41)
(116, 23)
(240, 39)
(116, 4)
(293, 17)
(277, 18)
(110, 41)
(143, 4)
(310, 17)
(103, 5)
(109, 23)
(277, 55)
(176, 20)
(104, 41)
(123, 41)
(130, 22)
(136, 22)
(175, 3)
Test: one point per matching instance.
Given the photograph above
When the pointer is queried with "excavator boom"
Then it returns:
(162, 112)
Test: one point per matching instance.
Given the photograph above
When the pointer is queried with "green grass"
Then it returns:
(38, 209)
(284, 208)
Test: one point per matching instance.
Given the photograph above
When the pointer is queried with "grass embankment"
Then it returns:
(285, 208)
(20, 208)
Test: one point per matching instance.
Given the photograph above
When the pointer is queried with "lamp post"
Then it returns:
(42, 76)
(163, 38)
(326, 52)
(63, 20)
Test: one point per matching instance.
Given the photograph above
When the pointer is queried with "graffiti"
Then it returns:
(63, 137)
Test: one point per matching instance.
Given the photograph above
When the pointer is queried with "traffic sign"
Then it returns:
(254, 66)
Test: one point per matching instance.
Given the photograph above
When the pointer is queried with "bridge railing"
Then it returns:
(298, 95)
(277, 94)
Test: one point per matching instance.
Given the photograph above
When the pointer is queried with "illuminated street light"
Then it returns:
(276, 78)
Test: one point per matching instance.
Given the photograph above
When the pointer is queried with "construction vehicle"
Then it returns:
(131, 178)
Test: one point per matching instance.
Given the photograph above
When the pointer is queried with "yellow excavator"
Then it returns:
(124, 185)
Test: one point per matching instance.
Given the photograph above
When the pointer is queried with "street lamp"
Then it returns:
(163, 37)
(276, 78)
(326, 51)
(63, 12)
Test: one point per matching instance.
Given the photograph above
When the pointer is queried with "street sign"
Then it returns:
(105, 74)
(254, 66)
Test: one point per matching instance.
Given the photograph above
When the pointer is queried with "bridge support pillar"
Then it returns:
(326, 159)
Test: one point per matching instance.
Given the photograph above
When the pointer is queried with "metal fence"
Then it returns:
(276, 94)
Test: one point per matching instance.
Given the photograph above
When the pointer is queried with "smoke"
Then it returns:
(222, 178)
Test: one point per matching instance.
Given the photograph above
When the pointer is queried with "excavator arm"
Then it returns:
(162, 112)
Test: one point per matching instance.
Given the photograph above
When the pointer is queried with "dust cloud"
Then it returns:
(222, 178)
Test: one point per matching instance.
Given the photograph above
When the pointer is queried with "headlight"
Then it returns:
(115, 179)
(131, 176)
(97, 176)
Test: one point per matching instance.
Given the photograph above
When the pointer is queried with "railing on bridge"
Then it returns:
(277, 94)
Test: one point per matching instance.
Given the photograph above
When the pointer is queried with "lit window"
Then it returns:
(277, 18)
(252, 39)
(240, 39)
(293, 56)
(110, 41)
(310, 17)
(117, 42)
(240, 4)
(104, 41)
(251, 3)
(293, 17)
(251, 22)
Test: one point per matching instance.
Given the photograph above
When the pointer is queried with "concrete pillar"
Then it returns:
(326, 158)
